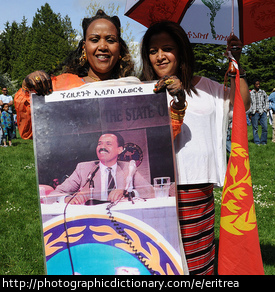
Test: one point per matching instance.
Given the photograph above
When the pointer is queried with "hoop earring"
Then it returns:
(120, 62)
(83, 57)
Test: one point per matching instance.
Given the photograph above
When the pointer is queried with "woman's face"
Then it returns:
(163, 55)
(102, 48)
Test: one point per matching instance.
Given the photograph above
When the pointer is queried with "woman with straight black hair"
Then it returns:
(202, 107)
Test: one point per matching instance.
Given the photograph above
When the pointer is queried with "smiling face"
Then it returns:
(102, 48)
(163, 55)
(107, 149)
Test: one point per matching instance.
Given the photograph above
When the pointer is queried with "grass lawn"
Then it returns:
(263, 179)
(20, 230)
(21, 251)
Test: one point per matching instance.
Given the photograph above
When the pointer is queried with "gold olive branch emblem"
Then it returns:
(50, 247)
(238, 222)
(152, 257)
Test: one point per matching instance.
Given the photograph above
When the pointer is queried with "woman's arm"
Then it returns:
(234, 45)
(39, 82)
(244, 92)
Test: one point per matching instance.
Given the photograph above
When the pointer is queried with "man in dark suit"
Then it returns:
(106, 179)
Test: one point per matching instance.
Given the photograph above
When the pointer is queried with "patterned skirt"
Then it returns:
(196, 216)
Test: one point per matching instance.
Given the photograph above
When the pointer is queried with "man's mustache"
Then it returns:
(103, 149)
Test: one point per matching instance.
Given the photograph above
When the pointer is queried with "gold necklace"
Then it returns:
(94, 78)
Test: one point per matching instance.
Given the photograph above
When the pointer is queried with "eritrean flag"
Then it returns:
(239, 248)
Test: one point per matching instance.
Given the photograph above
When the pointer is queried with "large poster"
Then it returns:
(93, 146)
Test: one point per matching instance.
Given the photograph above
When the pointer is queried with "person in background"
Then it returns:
(271, 99)
(6, 124)
(200, 149)
(259, 108)
(5, 98)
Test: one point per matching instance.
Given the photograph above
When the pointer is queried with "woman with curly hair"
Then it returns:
(100, 56)
(85, 61)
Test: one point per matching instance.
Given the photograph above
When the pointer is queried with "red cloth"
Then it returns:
(23, 107)
(239, 248)
(197, 217)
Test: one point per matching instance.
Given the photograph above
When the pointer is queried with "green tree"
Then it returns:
(210, 61)
(10, 45)
(19, 51)
(42, 46)
(11, 48)
(51, 39)
(258, 62)
(214, 6)
(11, 85)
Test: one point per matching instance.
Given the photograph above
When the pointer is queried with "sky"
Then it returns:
(14, 10)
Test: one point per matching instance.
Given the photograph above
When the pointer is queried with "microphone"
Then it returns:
(129, 179)
(91, 185)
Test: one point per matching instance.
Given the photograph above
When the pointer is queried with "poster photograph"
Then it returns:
(105, 172)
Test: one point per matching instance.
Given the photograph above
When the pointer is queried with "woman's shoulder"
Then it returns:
(196, 79)
(205, 83)
(130, 80)
(4, 113)
(66, 81)
(123, 81)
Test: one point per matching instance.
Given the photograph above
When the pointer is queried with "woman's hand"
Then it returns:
(174, 87)
(38, 81)
(234, 45)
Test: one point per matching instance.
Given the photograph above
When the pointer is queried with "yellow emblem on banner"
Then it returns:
(235, 195)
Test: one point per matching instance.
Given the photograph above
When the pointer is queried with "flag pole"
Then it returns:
(232, 19)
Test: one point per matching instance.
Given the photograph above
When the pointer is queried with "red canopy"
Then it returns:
(256, 19)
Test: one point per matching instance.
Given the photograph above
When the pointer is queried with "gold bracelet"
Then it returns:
(178, 111)
(177, 114)
(177, 117)
(25, 88)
